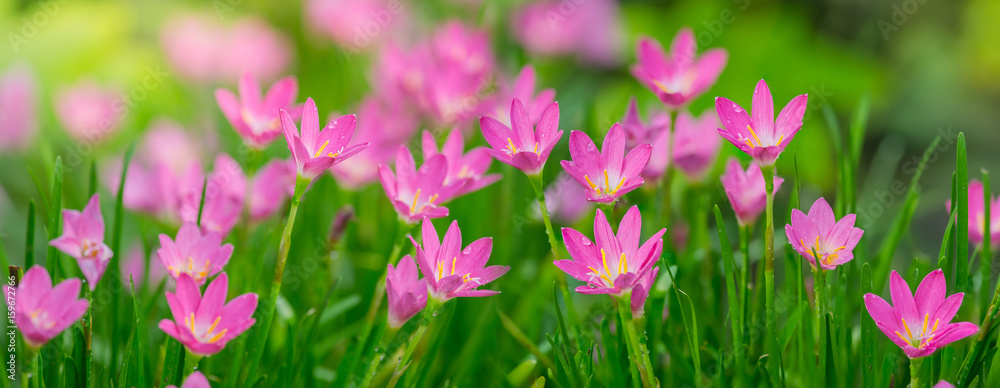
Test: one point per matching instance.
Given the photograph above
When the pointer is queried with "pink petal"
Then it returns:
(790, 119)
(930, 293)
(613, 150)
(902, 298)
(762, 114)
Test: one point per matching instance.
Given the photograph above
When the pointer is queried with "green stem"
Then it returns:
(88, 335)
(819, 291)
(745, 276)
(191, 361)
(981, 339)
(376, 359)
(915, 372)
(772, 325)
(267, 308)
(637, 348)
(430, 311)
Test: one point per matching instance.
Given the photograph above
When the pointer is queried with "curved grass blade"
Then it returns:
(962, 220)
(52, 255)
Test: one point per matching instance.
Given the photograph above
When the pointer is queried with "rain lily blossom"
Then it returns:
(470, 166)
(523, 147)
(18, 107)
(451, 271)
(592, 261)
(758, 133)
(83, 240)
(194, 380)
(745, 190)
(223, 197)
(417, 194)
(695, 145)
(42, 311)
(254, 118)
(205, 323)
(385, 127)
(524, 90)
(977, 215)
(656, 133)
(818, 236)
(609, 174)
(193, 253)
(680, 76)
(407, 294)
(88, 111)
(919, 324)
(317, 150)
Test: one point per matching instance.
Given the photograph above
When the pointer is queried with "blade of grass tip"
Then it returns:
(29, 240)
(902, 221)
(729, 265)
(986, 259)
(962, 220)
(52, 263)
(523, 339)
(947, 251)
(836, 138)
(868, 328)
(856, 137)
(92, 182)
(113, 271)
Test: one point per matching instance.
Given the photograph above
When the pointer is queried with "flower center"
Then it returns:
(920, 341)
(329, 154)
(198, 276)
(607, 276)
(817, 249)
(606, 188)
(40, 318)
(205, 336)
(750, 142)
(454, 262)
(416, 198)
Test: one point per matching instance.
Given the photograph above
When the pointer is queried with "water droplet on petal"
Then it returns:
(584, 241)
(467, 250)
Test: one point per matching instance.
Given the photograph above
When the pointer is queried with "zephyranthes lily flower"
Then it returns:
(470, 166)
(919, 324)
(41, 311)
(317, 150)
(679, 77)
(451, 271)
(83, 240)
(407, 293)
(759, 134)
(695, 146)
(818, 236)
(656, 133)
(194, 380)
(254, 118)
(419, 193)
(522, 147)
(593, 262)
(195, 254)
(606, 174)
(977, 215)
(745, 190)
(204, 324)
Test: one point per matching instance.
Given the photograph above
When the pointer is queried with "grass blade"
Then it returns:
(29, 239)
(868, 328)
(962, 220)
(730, 265)
(52, 263)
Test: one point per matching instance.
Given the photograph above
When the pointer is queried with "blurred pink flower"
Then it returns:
(920, 324)
(194, 253)
(523, 89)
(252, 46)
(254, 118)
(406, 293)
(471, 166)
(609, 173)
(819, 233)
(191, 43)
(83, 240)
(564, 200)
(523, 147)
(88, 112)
(41, 311)
(418, 194)
(634, 265)
(588, 29)
(656, 133)
(194, 380)
(453, 272)
(204, 324)
(384, 127)
(695, 144)
(746, 190)
(977, 214)
(271, 186)
(317, 150)
(18, 110)
(356, 25)
(771, 137)
(223, 197)
(134, 267)
(681, 76)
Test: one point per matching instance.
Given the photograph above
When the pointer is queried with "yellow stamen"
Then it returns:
(536, 148)
(214, 323)
(592, 185)
(190, 264)
(596, 272)
(926, 318)
(218, 336)
(907, 328)
(433, 198)
(754, 134)
(453, 261)
(320, 150)
(901, 337)
(607, 182)
(465, 278)
(191, 322)
(779, 140)
(604, 258)
(662, 87)
(464, 172)
(413, 207)
(625, 263)
(510, 146)
(333, 154)
(618, 187)
(440, 269)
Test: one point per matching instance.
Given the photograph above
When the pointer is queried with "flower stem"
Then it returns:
(637, 348)
(430, 311)
(745, 276)
(772, 319)
(267, 308)
(376, 359)
(915, 372)
(88, 333)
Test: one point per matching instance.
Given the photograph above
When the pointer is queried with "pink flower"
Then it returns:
(656, 133)
(87, 111)
(134, 268)
(921, 323)
(193, 253)
(524, 90)
(770, 137)
(224, 196)
(204, 324)
(271, 186)
(681, 76)
(470, 166)
(634, 265)
(317, 150)
(41, 311)
(194, 380)
(418, 194)
(746, 190)
(523, 147)
(695, 144)
(943, 384)
(609, 174)
(204, 51)
(451, 271)
(821, 234)
(462, 49)
(83, 240)
(355, 24)
(407, 294)
(254, 118)
(564, 201)
(191, 43)
(977, 214)
(592, 32)
(384, 127)
(18, 110)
